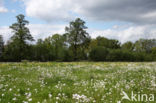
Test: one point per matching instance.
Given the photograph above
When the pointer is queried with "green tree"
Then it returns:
(128, 46)
(1, 46)
(77, 35)
(154, 53)
(119, 55)
(108, 43)
(21, 36)
(58, 42)
(98, 53)
(145, 45)
(43, 51)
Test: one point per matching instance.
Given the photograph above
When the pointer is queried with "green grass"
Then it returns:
(75, 82)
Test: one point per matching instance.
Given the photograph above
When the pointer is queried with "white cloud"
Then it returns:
(135, 11)
(37, 30)
(131, 33)
(5, 32)
(2, 8)
(44, 30)
(49, 10)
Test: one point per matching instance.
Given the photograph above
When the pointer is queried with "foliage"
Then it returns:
(108, 43)
(1, 47)
(128, 46)
(145, 45)
(120, 55)
(19, 41)
(154, 53)
(74, 45)
(98, 53)
(77, 36)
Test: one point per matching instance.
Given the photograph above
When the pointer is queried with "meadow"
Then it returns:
(76, 82)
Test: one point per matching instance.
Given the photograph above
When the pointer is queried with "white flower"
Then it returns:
(81, 98)
(29, 95)
(50, 95)
(2, 95)
(30, 99)
(14, 98)
(10, 89)
(57, 98)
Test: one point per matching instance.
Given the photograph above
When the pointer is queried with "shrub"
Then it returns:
(120, 55)
(98, 54)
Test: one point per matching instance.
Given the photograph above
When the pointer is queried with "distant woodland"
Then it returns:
(74, 45)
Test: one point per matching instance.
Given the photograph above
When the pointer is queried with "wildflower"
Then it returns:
(50, 95)
(10, 89)
(14, 99)
(30, 99)
(2, 95)
(57, 98)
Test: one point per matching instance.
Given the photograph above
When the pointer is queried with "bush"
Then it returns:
(120, 55)
(98, 54)
(142, 56)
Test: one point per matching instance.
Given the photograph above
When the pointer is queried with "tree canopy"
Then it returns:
(19, 41)
(1, 46)
(75, 44)
(77, 35)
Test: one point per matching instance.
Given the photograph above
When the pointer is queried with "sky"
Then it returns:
(124, 20)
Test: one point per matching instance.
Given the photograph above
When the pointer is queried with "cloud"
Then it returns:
(49, 10)
(44, 30)
(37, 30)
(134, 11)
(5, 32)
(2, 8)
(131, 33)
(142, 12)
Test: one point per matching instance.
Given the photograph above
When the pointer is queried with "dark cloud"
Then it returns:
(136, 11)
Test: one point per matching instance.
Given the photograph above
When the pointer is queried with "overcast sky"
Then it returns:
(125, 20)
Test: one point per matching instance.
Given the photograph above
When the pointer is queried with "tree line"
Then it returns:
(74, 45)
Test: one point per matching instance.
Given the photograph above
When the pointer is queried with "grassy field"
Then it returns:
(79, 82)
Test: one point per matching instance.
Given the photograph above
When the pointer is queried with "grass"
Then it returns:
(77, 82)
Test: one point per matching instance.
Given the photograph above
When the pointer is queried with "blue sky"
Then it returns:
(127, 20)
(15, 8)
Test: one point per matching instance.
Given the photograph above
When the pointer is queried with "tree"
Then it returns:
(119, 55)
(154, 53)
(145, 45)
(21, 36)
(108, 43)
(58, 42)
(98, 53)
(1, 46)
(11, 52)
(128, 46)
(43, 51)
(77, 35)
